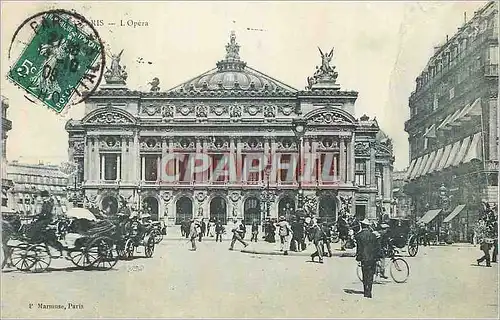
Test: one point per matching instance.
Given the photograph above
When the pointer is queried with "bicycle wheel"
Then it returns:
(399, 270)
(412, 246)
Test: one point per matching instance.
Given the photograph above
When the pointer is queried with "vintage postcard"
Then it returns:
(249, 159)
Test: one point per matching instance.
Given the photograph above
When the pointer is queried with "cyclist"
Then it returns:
(385, 247)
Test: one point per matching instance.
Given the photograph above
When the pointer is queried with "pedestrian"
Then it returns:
(211, 228)
(327, 239)
(238, 232)
(193, 233)
(203, 228)
(343, 229)
(367, 254)
(316, 236)
(219, 230)
(255, 231)
(285, 233)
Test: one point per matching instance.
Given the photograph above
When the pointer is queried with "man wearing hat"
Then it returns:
(193, 233)
(367, 253)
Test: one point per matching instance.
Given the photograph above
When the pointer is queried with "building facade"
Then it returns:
(453, 127)
(226, 145)
(6, 182)
(402, 203)
(29, 180)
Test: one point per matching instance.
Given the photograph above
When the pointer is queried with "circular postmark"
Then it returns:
(57, 57)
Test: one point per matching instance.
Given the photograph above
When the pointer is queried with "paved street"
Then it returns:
(215, 282)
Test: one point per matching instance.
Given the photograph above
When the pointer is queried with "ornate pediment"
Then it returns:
(362, 148)
(328, 118)
(109, 116)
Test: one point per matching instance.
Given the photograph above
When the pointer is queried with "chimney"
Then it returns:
(447, 39)
(465, 17)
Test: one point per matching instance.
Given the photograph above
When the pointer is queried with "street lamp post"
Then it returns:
(299, 128)
(443, 194)
(267, 173)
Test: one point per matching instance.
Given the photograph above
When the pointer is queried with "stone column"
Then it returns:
(163, 157)
(103, 167)
(315, 162)
(239, 164)
(124, 175)
(387, 182)
(370, 166)
(95, 173)
(351, 159)
(232, 161)
(87, 159)
(342, 162)
(306, 170)
(136, 155)
(198, 177)
(274, 162)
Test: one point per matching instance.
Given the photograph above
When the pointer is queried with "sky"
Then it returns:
(379, 50)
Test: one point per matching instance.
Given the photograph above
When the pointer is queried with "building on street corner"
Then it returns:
(30, 179)
(6, 182)
(226, 145)
(453, 128)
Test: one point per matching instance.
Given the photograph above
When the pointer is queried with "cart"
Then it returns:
(401, 236)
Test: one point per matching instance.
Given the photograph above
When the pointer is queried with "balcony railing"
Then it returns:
(491, 70)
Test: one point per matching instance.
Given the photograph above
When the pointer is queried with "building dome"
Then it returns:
(233, 74)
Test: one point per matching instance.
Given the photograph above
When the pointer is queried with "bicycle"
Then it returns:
(398, 269)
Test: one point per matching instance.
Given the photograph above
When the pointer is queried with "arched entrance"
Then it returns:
(328, 209)
(251, 210)
(150, 206)
(218, 209)
(109, 205)
(286, 207)
(183, 209)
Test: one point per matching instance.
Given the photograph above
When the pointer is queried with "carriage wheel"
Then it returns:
(43, 258)
(107, 254)
(129, 249)
(149, 246)
(83, 258)
(158, 236)
(21, 258)
(412, 246)
(399, 270)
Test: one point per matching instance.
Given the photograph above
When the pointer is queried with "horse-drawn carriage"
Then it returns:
(400, 235)
(138, 234)
(87, 242)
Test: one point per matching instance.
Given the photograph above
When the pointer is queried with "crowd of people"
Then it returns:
(487, 235)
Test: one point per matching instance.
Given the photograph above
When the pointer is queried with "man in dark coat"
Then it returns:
(317, 237)
(203, 226)
(343, 229)
(367, 253)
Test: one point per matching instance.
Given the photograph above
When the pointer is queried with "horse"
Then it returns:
(10, 228)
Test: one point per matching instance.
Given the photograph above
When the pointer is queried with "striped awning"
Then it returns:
(416, 168)
(475, 149)
(429, 216)
(453, 154)
(454, 213)
(461, 153)
(422, 165)
(410, 168)
(436, 161)
(429, 163)
(444, 158)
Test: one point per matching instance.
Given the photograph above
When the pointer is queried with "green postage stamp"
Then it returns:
(60, 65)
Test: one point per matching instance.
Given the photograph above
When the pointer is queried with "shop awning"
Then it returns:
(475, 149)
(461, 153)
(422, 166)
(430, 161)
(453, 154)
(429, 216)
(454, 213)
(417, 166)
(437, 158)
(444, 158)
(411, 168)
